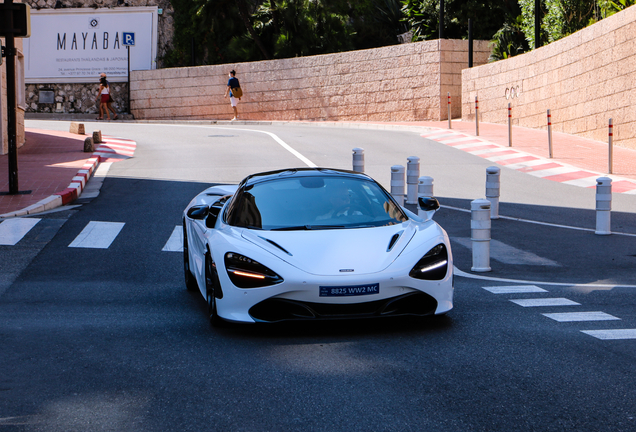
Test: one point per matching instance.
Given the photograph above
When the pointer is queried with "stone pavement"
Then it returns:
(54, 168)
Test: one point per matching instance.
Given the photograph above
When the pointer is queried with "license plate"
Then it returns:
(346, 291)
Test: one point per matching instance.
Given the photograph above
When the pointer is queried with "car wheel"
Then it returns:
(190, 281)
(211, 282)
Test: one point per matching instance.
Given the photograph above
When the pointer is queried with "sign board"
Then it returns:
(76, 45)
(129, 39)
(21, 19)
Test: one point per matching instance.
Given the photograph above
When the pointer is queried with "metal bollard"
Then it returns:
(550, 134)
(610, 159)
(358, 160)
(397, 183)
(476, 116)
(480, 234)
(603, 205)
(509, 126)
(450, 126)
(412, 176)
(493, 186)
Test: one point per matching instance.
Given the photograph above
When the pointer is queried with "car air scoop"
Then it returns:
(336, 251)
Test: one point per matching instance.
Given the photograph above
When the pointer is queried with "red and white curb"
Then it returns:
(110, 150)
(527, 163)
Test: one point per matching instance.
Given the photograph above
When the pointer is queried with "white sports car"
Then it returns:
(314, 243)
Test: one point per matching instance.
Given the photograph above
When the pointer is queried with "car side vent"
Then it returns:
(273, 243)
(393, 241)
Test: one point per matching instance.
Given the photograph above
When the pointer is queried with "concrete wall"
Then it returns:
(584, 79)
(397, 83)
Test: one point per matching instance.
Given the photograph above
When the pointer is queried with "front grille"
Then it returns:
(277, 309)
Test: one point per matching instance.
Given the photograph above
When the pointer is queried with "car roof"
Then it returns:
(301, 172)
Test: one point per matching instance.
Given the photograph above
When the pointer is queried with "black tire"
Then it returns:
(211, 282)
(190, 280)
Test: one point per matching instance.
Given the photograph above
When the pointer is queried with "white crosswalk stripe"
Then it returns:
(580, 316)
(545, 302)
(175, 242)
(612, 334)
(514, 289)
(13, 230)
(97, 235)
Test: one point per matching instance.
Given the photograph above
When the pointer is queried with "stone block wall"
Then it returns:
(79, 98)
(4, 120)
(584, 80)
(398, 83)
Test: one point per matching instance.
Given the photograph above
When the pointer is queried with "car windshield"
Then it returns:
(314, 203)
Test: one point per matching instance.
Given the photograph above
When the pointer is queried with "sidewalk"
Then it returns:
(53, 166)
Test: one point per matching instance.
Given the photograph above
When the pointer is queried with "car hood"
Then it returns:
(336, 252)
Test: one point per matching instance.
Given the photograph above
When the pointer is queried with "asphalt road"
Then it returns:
(109, 339)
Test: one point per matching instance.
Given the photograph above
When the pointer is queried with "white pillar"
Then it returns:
(603, 205)
(397, 183)
(480, 234)
(493, 186)
(412, 177)
(358, 160)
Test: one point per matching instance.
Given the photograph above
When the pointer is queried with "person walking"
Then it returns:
(234, 91)
(103, 97)
(109, 105)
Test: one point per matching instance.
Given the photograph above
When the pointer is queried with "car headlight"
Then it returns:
(433, 265)
(244, 272)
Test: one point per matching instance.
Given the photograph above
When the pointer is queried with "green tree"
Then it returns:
(487, 17)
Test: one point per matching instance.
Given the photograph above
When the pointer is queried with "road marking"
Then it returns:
(580, 316)
(460, 273)
(97, 235)
(514, 289)
(545, 302)
(273, 136)
(612, 334)
(507, 254)
(175, 242)
(13, 230)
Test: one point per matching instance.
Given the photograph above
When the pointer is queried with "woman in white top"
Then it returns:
(103, 97)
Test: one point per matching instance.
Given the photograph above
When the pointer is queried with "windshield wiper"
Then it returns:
(307, 227)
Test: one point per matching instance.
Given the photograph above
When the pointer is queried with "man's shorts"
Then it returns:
(233, 101)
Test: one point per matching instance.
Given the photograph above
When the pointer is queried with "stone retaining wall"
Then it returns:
(79, 98)
(397, 83)
(583, 79)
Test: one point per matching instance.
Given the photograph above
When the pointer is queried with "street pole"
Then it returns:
(128, 55)
(11, 102)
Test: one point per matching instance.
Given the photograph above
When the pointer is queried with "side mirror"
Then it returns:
(428, 204)
(198, 212)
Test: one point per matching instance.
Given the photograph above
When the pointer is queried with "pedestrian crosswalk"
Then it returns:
(95, 235)
(563, 317)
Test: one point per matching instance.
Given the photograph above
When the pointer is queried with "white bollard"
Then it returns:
(550, 134)
(603, 205)
(397, 183)
(480, 234)
(610, 140)
(358, 160)
(450, 125)
(509, 126)
(425, 186)
(412, 177)
(493, 186)
(424, 189)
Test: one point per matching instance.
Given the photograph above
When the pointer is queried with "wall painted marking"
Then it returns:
(12, 230)
(97, 235)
